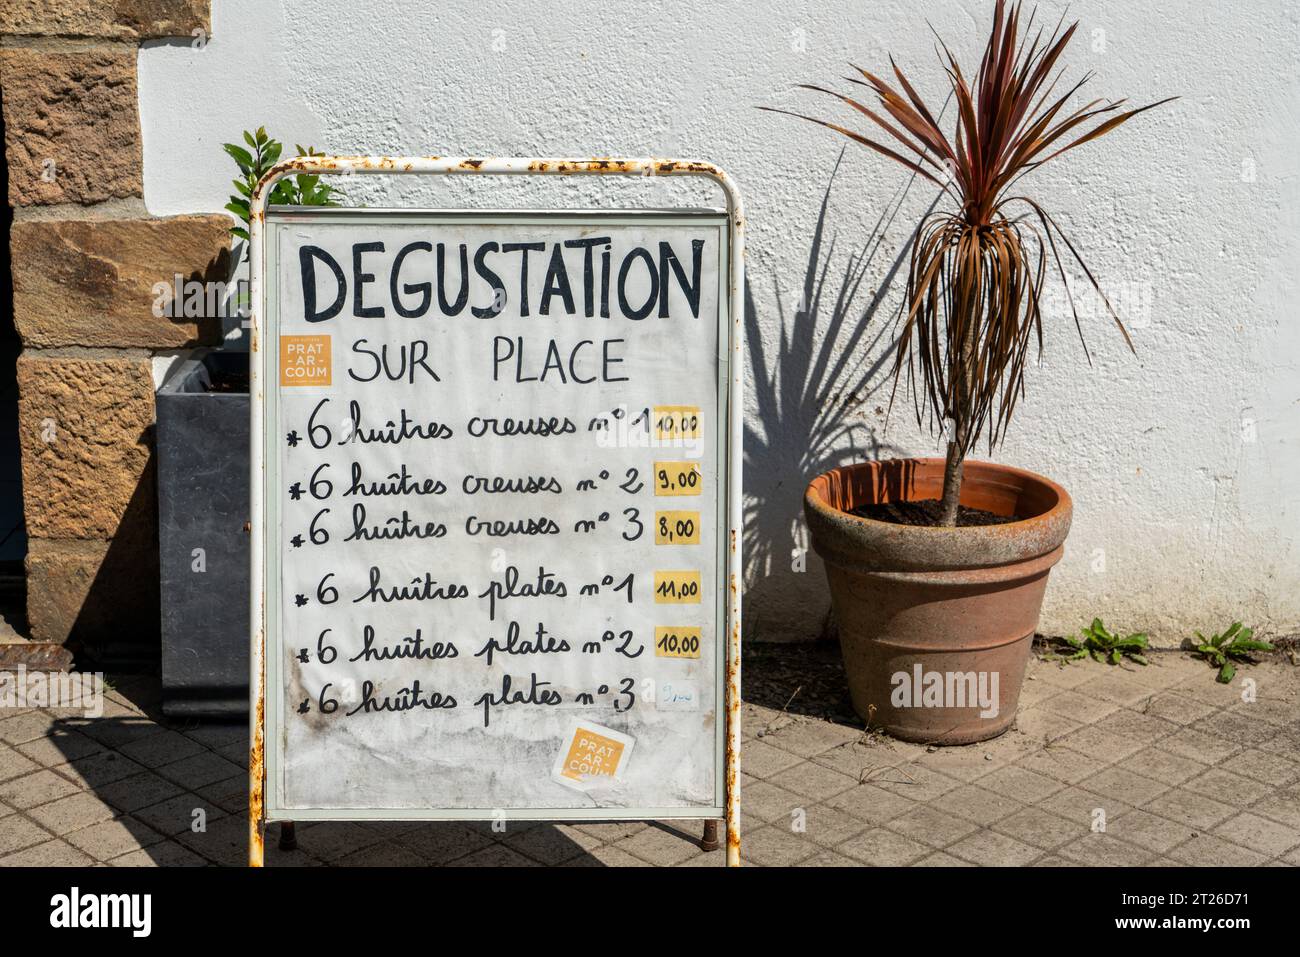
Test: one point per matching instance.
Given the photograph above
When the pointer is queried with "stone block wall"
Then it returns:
(86, 256)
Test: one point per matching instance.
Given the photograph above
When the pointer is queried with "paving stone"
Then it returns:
(1259, 834)
(1143, 728)
(1078, 706)
(1151, 831)
(1061, 764)
(1178, 708)
(813, 781)
(976, 804)
(497, 855)
(763, 761)
(35, 789)
(230, 795)
(866, 757)
(606, 856)
(28, 726)
(1101, 744)
(881, 847)
(942, 859)
(139, 790)
(1081, 805)
(1164, 766)
(96, 770)
(157, 750)
(1190, 808)
(225, 841)
(71, 813)
(328, 840)
(17, 833)
(549, 844)
(1207, 850)
(776, 847)
(808, 737)
(1199, 746)
(109, 839)
(1125, 785)
(163, 854)
(1105, 850)
(1201, 686)
(829, 859)
(1223, 785)
(767, 802)
(59, 747)
(969, 763)
(218, 734)
(55, 853)
(1237, 729)
(1043, 726)
(1034, 691)
(1281, 806)
(1275, 708)
(914, 782)
(659, 847)
(383, 854)
(706, 859)
(199, 770)
(14, 765)
(827, 825)
(929, 825)
(114, 733)
(1064, 675)
(441, 841)
(176, 815)
(1039, 828)
(1020, 783)
(990, 849)
(869, 803)
(1116, 686)
(1272, 769)
(611, 831)
(1051, 860)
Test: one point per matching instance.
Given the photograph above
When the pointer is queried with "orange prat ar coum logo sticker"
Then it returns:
(305, 360)
(594, 756)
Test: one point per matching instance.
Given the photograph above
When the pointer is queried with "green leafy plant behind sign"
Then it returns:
(1236, 642)
(262, 153)
(1103, 645)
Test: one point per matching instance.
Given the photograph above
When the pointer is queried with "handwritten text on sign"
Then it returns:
(496, 452)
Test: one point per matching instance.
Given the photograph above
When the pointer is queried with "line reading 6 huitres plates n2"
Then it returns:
(495, 491)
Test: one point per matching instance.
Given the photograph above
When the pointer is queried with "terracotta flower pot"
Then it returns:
(936, 624)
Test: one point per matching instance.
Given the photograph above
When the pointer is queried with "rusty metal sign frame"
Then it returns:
(495, 166)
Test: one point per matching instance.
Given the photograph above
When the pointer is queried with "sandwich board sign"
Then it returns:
(496, 474)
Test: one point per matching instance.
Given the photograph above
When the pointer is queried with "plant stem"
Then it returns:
(965, 370)
(951, 485)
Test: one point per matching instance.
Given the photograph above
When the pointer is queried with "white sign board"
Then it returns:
(496, 495)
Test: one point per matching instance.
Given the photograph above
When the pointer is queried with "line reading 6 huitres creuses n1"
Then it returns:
(496, 510)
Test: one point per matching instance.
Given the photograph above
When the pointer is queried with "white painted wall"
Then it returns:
(1183, 461)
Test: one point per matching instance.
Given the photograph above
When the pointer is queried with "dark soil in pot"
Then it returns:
(927, 511)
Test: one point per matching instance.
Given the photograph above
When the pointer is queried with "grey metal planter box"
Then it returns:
(202, 443)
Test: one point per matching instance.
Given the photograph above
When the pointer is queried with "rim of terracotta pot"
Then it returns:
(853, 541)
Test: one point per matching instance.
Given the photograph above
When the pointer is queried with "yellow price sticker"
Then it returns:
(677, 421)
(677, 528)
(674, 642)
(678, 478)
(677, 588)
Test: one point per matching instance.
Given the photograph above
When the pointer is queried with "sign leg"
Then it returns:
(709, 841)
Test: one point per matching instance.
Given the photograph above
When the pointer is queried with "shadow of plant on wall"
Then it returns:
(810, 398)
